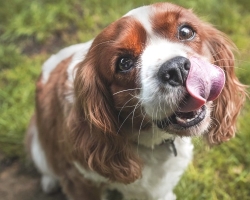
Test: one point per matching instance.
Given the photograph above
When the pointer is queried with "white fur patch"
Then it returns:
(49, 184)
(152, 137)
(90, 175)
(54, 60)
(157, 52)
(161, 172)
(142, 15)
(77, 58)
(49, 180)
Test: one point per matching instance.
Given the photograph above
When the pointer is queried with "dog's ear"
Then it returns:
(228, 105)
(93, 99)
(94, 127)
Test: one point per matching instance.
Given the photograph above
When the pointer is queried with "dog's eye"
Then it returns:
(185, 33)
(125, 64)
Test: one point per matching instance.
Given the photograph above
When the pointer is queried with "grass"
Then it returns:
(31, 30)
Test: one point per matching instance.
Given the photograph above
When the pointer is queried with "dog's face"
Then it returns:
(158, 67)
(161, 66)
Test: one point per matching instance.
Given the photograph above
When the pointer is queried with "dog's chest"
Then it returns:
(161, 172)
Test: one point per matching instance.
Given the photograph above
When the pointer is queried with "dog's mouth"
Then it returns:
(183, 120)
(204, 83)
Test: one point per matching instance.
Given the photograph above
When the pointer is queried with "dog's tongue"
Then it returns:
(204, 83)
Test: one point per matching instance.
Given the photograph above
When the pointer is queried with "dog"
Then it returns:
(118, 112)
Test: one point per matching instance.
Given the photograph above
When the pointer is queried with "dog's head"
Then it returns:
(158, 66)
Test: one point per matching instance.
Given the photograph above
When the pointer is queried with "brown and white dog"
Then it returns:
(113, 113)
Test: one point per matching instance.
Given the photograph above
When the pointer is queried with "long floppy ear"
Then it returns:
(93, 124)
(228, 105)
(93, 99)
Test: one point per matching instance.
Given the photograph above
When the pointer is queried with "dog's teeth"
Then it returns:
(180, 119)
(185, 120)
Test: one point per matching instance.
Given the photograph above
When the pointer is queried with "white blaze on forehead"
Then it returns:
(142, 14)
(159, 50)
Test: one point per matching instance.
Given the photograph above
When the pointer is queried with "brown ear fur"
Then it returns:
(94, 128)
(228, 105)
(93, 99)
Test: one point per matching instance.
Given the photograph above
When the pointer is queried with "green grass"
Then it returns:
(33, 29)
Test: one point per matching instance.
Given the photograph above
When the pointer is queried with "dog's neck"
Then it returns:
(155, 137)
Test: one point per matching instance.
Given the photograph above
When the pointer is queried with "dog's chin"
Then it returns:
(186, 123)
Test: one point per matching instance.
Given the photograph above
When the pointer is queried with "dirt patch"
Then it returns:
(21, 183)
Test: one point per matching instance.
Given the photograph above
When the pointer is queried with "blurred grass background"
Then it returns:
(31, 30)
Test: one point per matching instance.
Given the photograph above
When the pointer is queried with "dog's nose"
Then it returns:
(174, 71)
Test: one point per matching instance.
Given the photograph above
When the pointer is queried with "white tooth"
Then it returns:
(180, 120)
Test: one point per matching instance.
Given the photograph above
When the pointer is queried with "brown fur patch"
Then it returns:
(167, 20)
(51, 115)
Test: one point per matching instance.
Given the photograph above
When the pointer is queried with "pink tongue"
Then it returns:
(204, 83)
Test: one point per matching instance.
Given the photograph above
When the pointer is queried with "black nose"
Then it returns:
(174, 71)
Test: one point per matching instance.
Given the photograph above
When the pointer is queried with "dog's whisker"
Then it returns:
(127, 118)
(136, 106)
(139, 133)
(126, 90)
(124, 106)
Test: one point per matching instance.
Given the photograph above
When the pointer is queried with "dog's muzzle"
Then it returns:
(203, 82)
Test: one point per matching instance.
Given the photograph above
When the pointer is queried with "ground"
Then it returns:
(21, 183)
